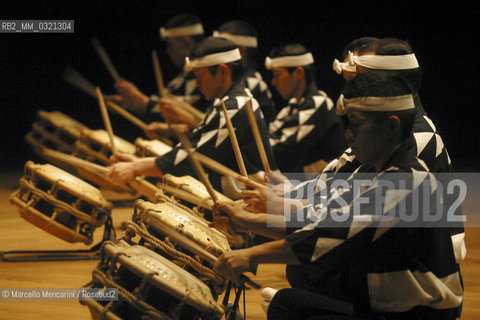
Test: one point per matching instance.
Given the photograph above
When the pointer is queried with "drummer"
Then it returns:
(307, 130)
(182, 33)
(216, 63)
(389, 271)
(245, 36)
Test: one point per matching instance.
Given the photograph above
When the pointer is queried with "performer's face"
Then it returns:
(284, 82)
(366, 137)
(177, 50)
(210, 85)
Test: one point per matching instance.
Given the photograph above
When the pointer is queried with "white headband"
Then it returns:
(401, 62)
(212, 59)
(289, 61)
(239, 40)
(339, 67)
(367, 104)
(192, 30)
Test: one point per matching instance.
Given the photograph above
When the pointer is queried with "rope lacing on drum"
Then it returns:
(146, 279)
(24, 183)
(144, 307)
(168, 249)
(181, 303)
(105, 310)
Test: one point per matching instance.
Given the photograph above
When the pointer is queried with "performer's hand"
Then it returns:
(236, 215)
(260, 198)
(156, 130)
(122, 172)
(232, 264)
(278, 183)
(122, 157)
(171, 110)
(130, 97)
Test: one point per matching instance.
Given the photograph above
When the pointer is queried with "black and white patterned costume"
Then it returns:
(382, 266)
(211, 138)
(427, 145)
(261, 92)
(306, 131)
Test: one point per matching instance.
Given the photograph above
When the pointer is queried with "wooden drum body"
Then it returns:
(194, 187)
(177, 233)
(94, 146)
(56, 131)
(60, 203)
(149, 286)
(182, 226)
(151, 148)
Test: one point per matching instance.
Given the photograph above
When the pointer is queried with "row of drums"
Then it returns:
(162, 263)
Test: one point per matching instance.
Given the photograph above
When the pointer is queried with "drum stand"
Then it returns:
(232, 311)
(61, 255)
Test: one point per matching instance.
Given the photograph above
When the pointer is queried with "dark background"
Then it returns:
(443, 34)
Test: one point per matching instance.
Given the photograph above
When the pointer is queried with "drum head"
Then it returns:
(66, 181)
(60, 120)
(100, 139)
(188, 230)
(193, 186)
(151, 148)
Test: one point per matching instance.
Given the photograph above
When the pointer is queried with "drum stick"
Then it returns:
(215, 165)
(198, 115)
(158, 74)
(106, 120)
(86, 165)
(74, 161)
(134, 120)
(187, 146)
(127, 115)
(77, 80)
(159, 78)
(234, 141)
(74, 78)
(203, 177)
(106, 60)
(257, 136)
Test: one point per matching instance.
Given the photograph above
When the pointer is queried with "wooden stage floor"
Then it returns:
(18, 234)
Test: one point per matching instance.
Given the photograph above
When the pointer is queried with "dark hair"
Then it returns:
(295, 49)
(393, 47)
(182, 20)
(242, 28)
(377, 83)
(212, 45)
(357, 44)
